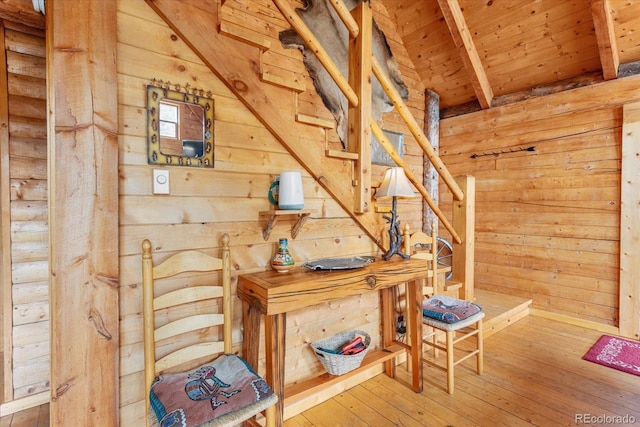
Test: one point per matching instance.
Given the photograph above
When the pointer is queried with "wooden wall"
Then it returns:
(205, 203)
(25, 302)
(548, 197)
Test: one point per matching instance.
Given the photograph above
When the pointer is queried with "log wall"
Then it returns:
(25, 292)
(548, 197)
(205, 203)
(547, 173)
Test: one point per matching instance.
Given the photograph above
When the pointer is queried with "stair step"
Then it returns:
(267, 77)
(450, 285)
(501, 310)
(244, 35)
(316, 121)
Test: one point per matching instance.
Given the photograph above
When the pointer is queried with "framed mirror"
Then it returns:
(179, 128)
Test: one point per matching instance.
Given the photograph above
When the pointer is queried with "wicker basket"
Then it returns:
(339, 364)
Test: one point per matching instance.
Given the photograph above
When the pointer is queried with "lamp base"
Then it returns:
(395, 236)
(391, 252)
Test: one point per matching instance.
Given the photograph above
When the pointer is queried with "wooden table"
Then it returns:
(272, 295)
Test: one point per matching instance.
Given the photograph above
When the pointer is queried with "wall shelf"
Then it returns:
(275, 214)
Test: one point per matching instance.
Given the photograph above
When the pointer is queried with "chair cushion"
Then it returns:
(225, 385)
(448, 309)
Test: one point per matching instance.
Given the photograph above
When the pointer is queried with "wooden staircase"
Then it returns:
(237, 56)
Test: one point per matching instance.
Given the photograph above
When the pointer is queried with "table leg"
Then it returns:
(275, 345)
(388, 327)
(414, 328)
(251, 341)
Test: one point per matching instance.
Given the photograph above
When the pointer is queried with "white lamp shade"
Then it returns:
(395, 183)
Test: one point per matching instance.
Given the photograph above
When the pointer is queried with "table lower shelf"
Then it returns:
(304, 389)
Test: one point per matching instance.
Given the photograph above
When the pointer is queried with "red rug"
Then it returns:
(616, 353)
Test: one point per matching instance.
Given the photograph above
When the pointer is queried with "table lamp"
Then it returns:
(395, 184)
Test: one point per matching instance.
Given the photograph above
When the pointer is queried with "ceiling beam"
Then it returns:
(603, 24)
(467, 50)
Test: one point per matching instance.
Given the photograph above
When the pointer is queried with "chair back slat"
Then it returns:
(187, 354)
(187, 295)
(184, 262)
(414, 245)
(188, 324)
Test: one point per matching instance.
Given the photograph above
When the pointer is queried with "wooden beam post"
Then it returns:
(432, 131)
(359, 135)
(462, 263)
(83, 212)
(629, 313)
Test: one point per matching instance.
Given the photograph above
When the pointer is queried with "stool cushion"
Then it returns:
(220, 387)
(448, 309)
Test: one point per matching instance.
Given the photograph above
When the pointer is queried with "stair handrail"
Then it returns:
(314, 45)
(352, 27)
(415, 130)
(388, 146)
(347, 19)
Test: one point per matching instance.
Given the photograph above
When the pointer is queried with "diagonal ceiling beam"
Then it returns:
(467, 49)
(603, 24)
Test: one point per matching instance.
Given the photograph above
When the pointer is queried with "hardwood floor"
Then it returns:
(533, 375)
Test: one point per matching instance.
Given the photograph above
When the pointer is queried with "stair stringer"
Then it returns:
(237, 65)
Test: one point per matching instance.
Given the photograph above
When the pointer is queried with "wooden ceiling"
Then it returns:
(484, 53)
(479, 54)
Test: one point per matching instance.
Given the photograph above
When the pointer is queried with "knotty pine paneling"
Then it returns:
(547, 220)
(205, 203)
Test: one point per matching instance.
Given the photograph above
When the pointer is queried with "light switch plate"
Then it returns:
(160, 181)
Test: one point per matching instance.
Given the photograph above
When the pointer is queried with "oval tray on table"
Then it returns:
(329, 264)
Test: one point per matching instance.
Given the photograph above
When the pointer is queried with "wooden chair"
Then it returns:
(195, 326)
(454, 332)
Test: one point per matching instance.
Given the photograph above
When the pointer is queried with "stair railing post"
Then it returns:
(463, 220)
(359, 135)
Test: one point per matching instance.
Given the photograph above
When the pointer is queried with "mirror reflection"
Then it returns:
(180, 130)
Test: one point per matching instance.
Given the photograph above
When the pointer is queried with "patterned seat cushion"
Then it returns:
(220, 387)
(448, 309)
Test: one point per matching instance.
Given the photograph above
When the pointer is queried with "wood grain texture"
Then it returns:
(629, 220)
(25, 171)
(229, 198)
(547, 221)
(5, 228)
(504, 395)
(83, 213)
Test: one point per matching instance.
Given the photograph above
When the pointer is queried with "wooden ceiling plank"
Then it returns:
(542, 33)
(605, 35)
(462, 38)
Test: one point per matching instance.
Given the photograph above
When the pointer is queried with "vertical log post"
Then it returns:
(359, 135)
(464, 223)
(432, 131)
(83, 212)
